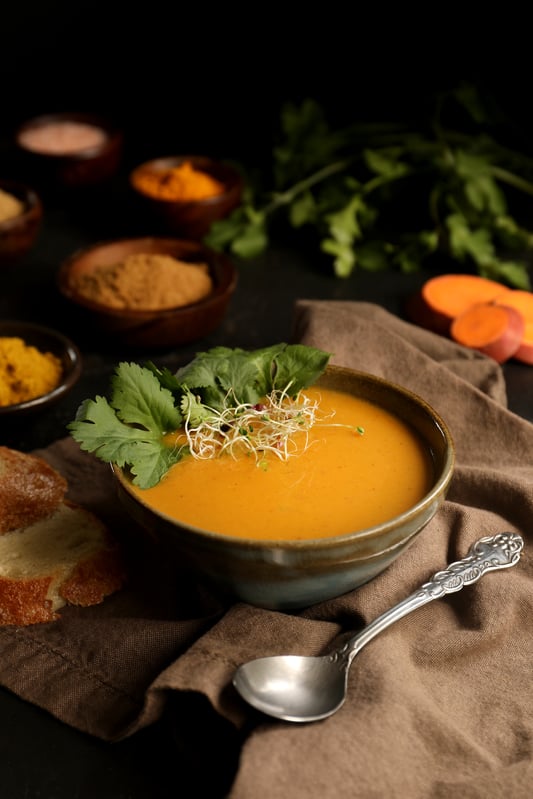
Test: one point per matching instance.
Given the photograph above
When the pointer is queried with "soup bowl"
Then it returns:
(284, 574)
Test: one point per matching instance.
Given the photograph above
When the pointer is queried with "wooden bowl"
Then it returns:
(189, 219)
(18, 233)
(44, 339)
(55, 156)
(149, 329)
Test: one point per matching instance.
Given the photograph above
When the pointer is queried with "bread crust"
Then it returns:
(30, 489)
(61, 554)
(94, 578)
(25, 602)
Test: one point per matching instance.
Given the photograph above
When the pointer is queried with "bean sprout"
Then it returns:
(255, 429)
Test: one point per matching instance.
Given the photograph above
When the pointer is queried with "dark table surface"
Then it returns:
(40, 756)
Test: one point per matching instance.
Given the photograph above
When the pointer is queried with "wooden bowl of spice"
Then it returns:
(21, 215)
(69, 149)
(38, 367)
(148, 292)
(185, 194)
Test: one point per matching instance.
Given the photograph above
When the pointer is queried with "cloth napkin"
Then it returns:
(440, 705)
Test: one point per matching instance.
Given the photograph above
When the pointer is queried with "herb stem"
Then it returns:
(286, 197)
(511, 179)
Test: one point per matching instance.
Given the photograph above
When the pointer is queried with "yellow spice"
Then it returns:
(25, 371)
(10, 206)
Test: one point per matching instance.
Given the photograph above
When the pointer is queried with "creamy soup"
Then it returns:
(340, 482)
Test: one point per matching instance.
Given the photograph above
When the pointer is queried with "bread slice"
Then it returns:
(64, 558)
(52, 552)
(30, 489)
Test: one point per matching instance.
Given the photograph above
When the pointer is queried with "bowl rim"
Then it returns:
(112, 130)
(220, 290)
(24, 329)
(235, 181)
(438, 489)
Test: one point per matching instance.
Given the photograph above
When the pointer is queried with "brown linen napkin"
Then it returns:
(441, 705)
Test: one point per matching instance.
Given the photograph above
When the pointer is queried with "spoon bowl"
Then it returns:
(310, 688)
(292, 687)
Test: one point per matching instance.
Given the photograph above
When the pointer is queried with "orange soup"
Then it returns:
(340, 482)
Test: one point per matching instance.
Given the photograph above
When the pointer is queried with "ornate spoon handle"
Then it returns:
(491, 552)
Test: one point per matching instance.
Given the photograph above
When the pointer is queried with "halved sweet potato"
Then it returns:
(493, 329)
(444, 297)
(522, 301)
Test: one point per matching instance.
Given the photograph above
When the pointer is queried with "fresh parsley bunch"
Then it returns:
(146, 403)
(351, 188)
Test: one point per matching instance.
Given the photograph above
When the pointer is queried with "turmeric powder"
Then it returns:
(183, 182)
(10, 206)
(145, 281)
(25, 371)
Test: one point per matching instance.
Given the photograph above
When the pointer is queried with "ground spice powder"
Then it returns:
(10, 206)
(145, 281)
(62, 138)
(183, 182)
(25, 371)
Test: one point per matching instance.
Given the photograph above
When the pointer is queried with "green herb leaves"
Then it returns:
(128, 430)
(385, 196)
(146, 403)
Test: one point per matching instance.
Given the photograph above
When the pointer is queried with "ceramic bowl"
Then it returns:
(45, 339)
(189, 219)
(287, 575)
(18, 233)
(148, 329)
(69, 150)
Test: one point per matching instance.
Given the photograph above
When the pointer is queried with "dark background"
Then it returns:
(211, 79)
(212, 82)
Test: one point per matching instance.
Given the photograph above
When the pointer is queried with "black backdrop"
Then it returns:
(184, 78)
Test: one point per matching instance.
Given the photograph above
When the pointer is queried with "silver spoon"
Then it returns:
(310, 688)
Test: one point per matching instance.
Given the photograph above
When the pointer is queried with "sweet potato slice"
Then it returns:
(444, 297)
(522, 301)
(493, 329)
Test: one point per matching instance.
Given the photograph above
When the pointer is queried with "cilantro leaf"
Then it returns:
(139, 398)
(467, 242)
(129, 429)
(319, 172)
(146, 402)
(249, 375)
(298, 366)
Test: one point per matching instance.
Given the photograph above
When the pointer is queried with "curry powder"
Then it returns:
(25, 371)
(145, 282)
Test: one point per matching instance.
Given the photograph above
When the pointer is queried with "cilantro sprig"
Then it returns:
(390, 195)
(146, 403)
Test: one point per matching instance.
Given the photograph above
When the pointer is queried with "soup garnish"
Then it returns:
(336, 483)
(222, 398)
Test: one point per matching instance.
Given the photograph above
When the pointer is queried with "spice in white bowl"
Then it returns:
(62, 138)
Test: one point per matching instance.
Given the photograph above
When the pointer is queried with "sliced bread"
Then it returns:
(30, 489)
(65, 555)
